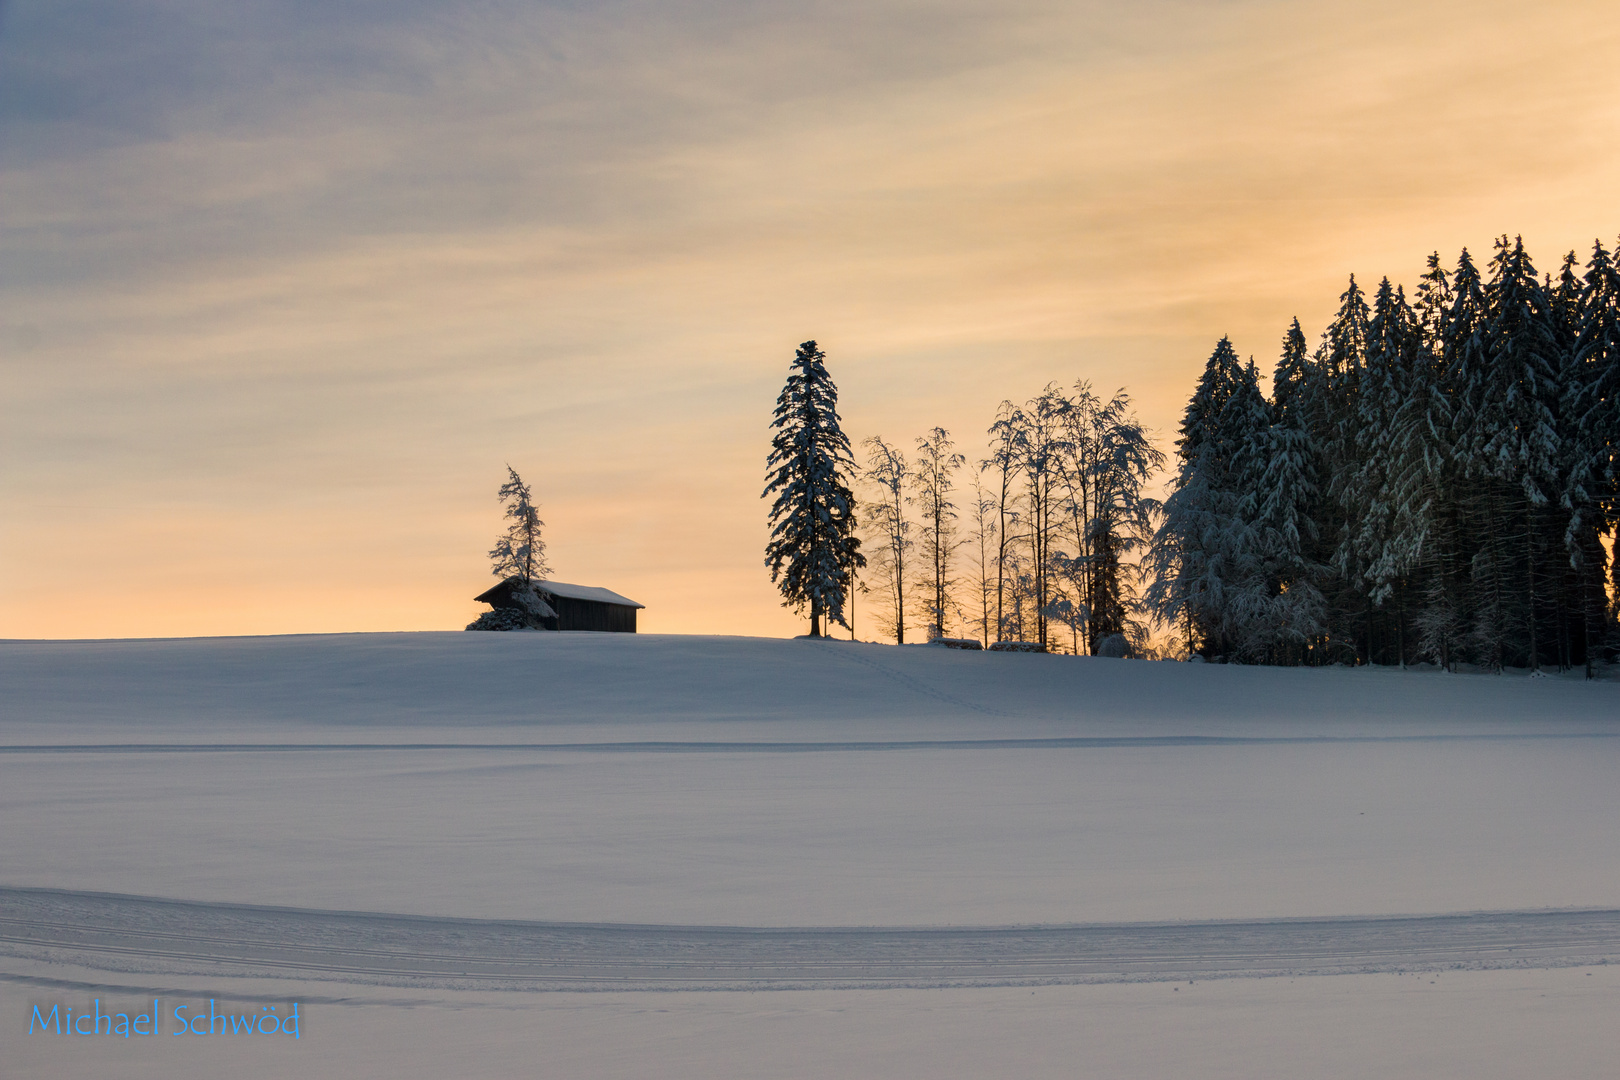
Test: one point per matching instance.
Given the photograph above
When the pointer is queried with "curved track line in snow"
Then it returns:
(845, 746)
(183, 938)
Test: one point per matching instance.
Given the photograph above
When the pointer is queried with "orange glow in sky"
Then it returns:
(273, 326)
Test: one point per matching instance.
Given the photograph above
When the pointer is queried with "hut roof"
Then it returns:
(585, 592)
(562, 588)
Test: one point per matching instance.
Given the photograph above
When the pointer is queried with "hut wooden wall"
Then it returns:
(589, 615)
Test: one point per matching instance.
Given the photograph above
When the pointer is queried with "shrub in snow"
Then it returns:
(518, 606)
(1017, 646)
(499, 619)
(1114, 646)
(958, 643)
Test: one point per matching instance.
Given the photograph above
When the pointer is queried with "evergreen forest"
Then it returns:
(1435, 482)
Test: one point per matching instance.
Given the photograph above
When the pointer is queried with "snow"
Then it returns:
(586, 592)
(592, 687)
(849, 836)
(661, 781)
(1489, 1025)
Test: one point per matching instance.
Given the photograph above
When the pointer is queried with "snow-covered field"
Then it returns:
(963, 863)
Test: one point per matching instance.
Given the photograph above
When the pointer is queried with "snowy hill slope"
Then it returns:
(667, 812)
(666, 780)
(592, 687)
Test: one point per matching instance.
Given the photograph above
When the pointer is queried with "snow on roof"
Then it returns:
(585, 592)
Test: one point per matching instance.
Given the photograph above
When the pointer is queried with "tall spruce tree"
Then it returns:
(1201, 552)
(1249, 617)
(1341, 358)
(1301, 404)
(1282, 497)
(1391, 345)
(1473, 498)
(1291, 380)
(1592, 406)
(1372, 495)
(1568, 558)
(1423, 475)
(813, 551)
(1514, 444)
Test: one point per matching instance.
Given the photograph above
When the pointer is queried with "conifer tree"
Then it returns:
(1468, 443)
(1434, 298)
(1340, 358)
(813, 551)
(1472, 500)
(1391, 345)
(1200, 552)
(1282, 497)
(1291, 381)
(1515, 438)
(1462, 347)
(1297, 494)
(1248, 617)
(1566, 517)
(1592, 405)
(1372, 555)
(1423, 475)
(521, 552)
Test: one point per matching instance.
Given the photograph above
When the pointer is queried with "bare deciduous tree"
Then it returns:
(889, 531)
(933, 476)
(982, 541)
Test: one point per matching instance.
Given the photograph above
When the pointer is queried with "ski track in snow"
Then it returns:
(182, 938)
(1105, 742)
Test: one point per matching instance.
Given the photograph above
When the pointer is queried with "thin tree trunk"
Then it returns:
(1530, 583)
(1369, 631)
(1001, 560)
(1400, 621)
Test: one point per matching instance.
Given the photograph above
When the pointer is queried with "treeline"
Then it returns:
(1436, 481)
(1041, 543)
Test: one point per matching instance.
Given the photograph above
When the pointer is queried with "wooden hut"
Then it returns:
(576, 607)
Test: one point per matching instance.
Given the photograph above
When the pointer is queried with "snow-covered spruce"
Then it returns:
(521, 552)
(813, 551)
(1437, 483)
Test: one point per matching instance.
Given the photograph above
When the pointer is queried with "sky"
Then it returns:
(286, 284)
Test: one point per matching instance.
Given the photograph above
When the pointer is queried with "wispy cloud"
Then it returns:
(305, 274)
